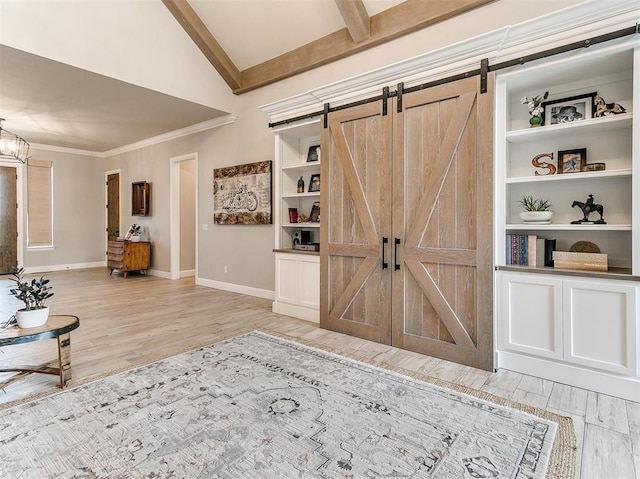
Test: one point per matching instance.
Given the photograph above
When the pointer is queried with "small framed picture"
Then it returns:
(314, 153)
(314, 216)
(572, 161)
(314, 184)
(567, 110)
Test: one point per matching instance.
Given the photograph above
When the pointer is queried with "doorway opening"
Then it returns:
(183, 194)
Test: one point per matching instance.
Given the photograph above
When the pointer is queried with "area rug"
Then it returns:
(261, 406)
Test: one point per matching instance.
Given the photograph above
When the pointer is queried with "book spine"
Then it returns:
(549, 248)
(523, 250)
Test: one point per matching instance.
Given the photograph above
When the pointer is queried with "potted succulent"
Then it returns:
(33, 294)
(536, 210)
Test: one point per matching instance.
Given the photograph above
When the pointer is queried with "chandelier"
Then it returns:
(12, 147)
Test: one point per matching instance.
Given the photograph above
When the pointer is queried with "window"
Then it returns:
(39, 203)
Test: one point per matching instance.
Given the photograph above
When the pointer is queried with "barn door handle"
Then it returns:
(385, 240)
(396, 266)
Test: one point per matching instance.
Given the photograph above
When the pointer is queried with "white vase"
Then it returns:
(536, 216)
(32, 318)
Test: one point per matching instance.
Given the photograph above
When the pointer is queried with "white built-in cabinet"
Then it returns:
(576, 327)
(297, 279)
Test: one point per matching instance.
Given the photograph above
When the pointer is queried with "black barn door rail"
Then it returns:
(483, 71)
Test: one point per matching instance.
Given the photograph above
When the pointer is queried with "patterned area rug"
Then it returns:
(260, 406)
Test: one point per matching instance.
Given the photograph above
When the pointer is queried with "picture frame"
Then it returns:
(313, 153)
(568, 110)
(314, 216)
(572, 161)
(242, 194)
(314, 183)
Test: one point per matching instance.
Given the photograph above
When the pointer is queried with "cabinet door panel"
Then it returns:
(530, 314)
(287, 277)
(310, 281)
(600, 325)
(443, 216)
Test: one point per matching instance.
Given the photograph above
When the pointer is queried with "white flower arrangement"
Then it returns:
(535, 104)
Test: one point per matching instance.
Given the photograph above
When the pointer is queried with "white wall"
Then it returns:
(78, 213)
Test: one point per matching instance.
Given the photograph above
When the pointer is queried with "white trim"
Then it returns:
(63, 267)
(236, 288)
(174, 214)
(296, 311)
(187, 273)
(583, 20)
(624, 387)
(63, 149)
(159, 274)
(172, 135)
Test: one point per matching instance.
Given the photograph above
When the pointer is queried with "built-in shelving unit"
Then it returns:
(297, 272)
(576, 327)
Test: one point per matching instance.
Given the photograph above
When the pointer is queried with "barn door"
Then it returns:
(113, 206)
(356, 220)
(443, 216)
(8, 219)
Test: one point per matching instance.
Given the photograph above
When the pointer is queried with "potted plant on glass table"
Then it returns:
(33, 294)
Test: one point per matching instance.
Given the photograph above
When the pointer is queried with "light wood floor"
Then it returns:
(127, 322)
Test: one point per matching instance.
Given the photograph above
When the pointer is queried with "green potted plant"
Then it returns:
(33, 294)
(536, 210)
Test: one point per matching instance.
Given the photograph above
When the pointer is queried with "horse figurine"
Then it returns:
(587, 208)
(603, 108)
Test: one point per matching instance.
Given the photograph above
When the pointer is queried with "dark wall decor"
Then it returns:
(140, 198)
(242, 194)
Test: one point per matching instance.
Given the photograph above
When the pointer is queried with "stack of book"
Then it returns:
(529, 250)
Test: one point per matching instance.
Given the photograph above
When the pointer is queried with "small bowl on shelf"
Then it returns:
(536, 217)
(594, 167)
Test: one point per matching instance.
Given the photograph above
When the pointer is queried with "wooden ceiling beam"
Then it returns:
(356, 18)
(202, 37)
(404, 18)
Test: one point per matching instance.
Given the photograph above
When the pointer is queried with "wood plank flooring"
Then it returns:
(127, 322)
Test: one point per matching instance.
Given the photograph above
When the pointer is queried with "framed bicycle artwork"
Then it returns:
(242, 194)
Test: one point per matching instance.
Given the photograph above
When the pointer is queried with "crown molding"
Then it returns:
(63, 149)
(583, 20)
(172, 135)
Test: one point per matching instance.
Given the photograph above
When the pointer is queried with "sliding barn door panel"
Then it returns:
(356, 216)
(442, 213)
(407, 212)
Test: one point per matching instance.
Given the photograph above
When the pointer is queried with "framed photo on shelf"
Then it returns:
(314, 183)
(567, 110)
(314, 216)
(572, 161)
(314, 153)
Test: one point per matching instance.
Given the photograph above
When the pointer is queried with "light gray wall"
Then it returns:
(187, 215)
(78, 212)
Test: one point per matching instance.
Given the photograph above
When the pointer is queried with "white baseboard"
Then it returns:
(624, 387)
(159, 274)
(295, 311)
(236, 288)
(63, 267)
(187, 273)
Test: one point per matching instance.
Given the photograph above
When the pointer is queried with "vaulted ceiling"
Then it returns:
(250, 43)
(319, 32)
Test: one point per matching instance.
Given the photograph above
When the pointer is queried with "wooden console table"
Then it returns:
(57, 326)
(128, 256)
